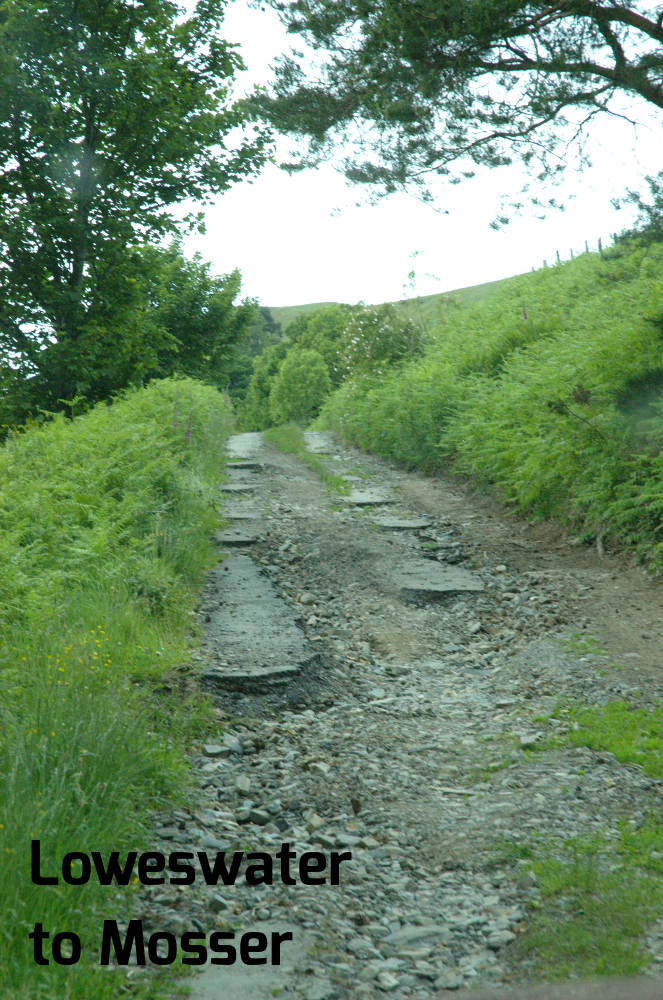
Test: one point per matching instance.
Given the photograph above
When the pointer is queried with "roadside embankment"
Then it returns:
(105, 533)
(551, 391)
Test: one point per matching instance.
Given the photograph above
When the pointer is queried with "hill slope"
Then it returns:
(425, 308)
(550, 388)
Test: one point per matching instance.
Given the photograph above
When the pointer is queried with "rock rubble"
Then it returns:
(414, 741)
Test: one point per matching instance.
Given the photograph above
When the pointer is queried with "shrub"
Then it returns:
(300, 388)
(376, 338)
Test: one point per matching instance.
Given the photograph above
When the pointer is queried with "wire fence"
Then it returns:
(602, 244)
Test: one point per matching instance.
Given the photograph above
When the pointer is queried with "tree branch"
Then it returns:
(623, 15)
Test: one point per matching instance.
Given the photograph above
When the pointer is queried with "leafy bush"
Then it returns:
(323, 330)
(300, 388)
(254, 413)
(352, 342)
(376, 338)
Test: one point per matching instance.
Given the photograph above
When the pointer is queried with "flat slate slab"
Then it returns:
(251, 634)
(243, 446)
(237, 488)
(401, 523)
(235, 537)
(241, 510)
(246, 464)
(423, 578)
(368, 498)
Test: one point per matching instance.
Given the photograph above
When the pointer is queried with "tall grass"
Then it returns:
(551, 390)
(105, 526)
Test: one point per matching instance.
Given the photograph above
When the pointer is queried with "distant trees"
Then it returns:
(378, 337)
(322, 349)
(299, 388)
(263, 332)
(111, 113)
(323, 331)
(254, 411)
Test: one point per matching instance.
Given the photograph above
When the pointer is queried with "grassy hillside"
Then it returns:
(550, 389)
(105, 532)
(286, 314)
(425, 308)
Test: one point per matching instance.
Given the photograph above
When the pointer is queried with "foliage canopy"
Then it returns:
(300, 387)
(111, 113)
(323, 331)
(433, 86)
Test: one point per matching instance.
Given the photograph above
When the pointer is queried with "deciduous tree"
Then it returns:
(300, 387)
(111, 113)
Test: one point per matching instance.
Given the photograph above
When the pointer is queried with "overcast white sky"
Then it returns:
(303, 238)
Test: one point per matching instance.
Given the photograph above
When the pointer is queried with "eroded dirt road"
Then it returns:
(405, 725)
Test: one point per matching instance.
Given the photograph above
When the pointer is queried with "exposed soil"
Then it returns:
(608, 595)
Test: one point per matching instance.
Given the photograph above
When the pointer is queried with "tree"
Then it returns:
(378, 337)
(197, 312)
(408, 89)
(254, 412)
(649, 223)
(322, 330)
(300, 387)
(111, 113)
(170, 315)
(263, 332)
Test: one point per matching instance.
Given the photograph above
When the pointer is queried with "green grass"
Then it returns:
(549, 390)
(587, 644)
(290, 439)
(596, 902)
(105, 533)
(633, 735)
(430, 310)
(599, 894)
(423, 308)
(286, 314)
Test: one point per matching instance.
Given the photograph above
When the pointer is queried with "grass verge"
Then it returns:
(290, 438)
(598, 895)
(596, 901)
(633, 735)
(105, 533)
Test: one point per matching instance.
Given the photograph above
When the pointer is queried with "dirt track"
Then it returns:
(411, 736)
